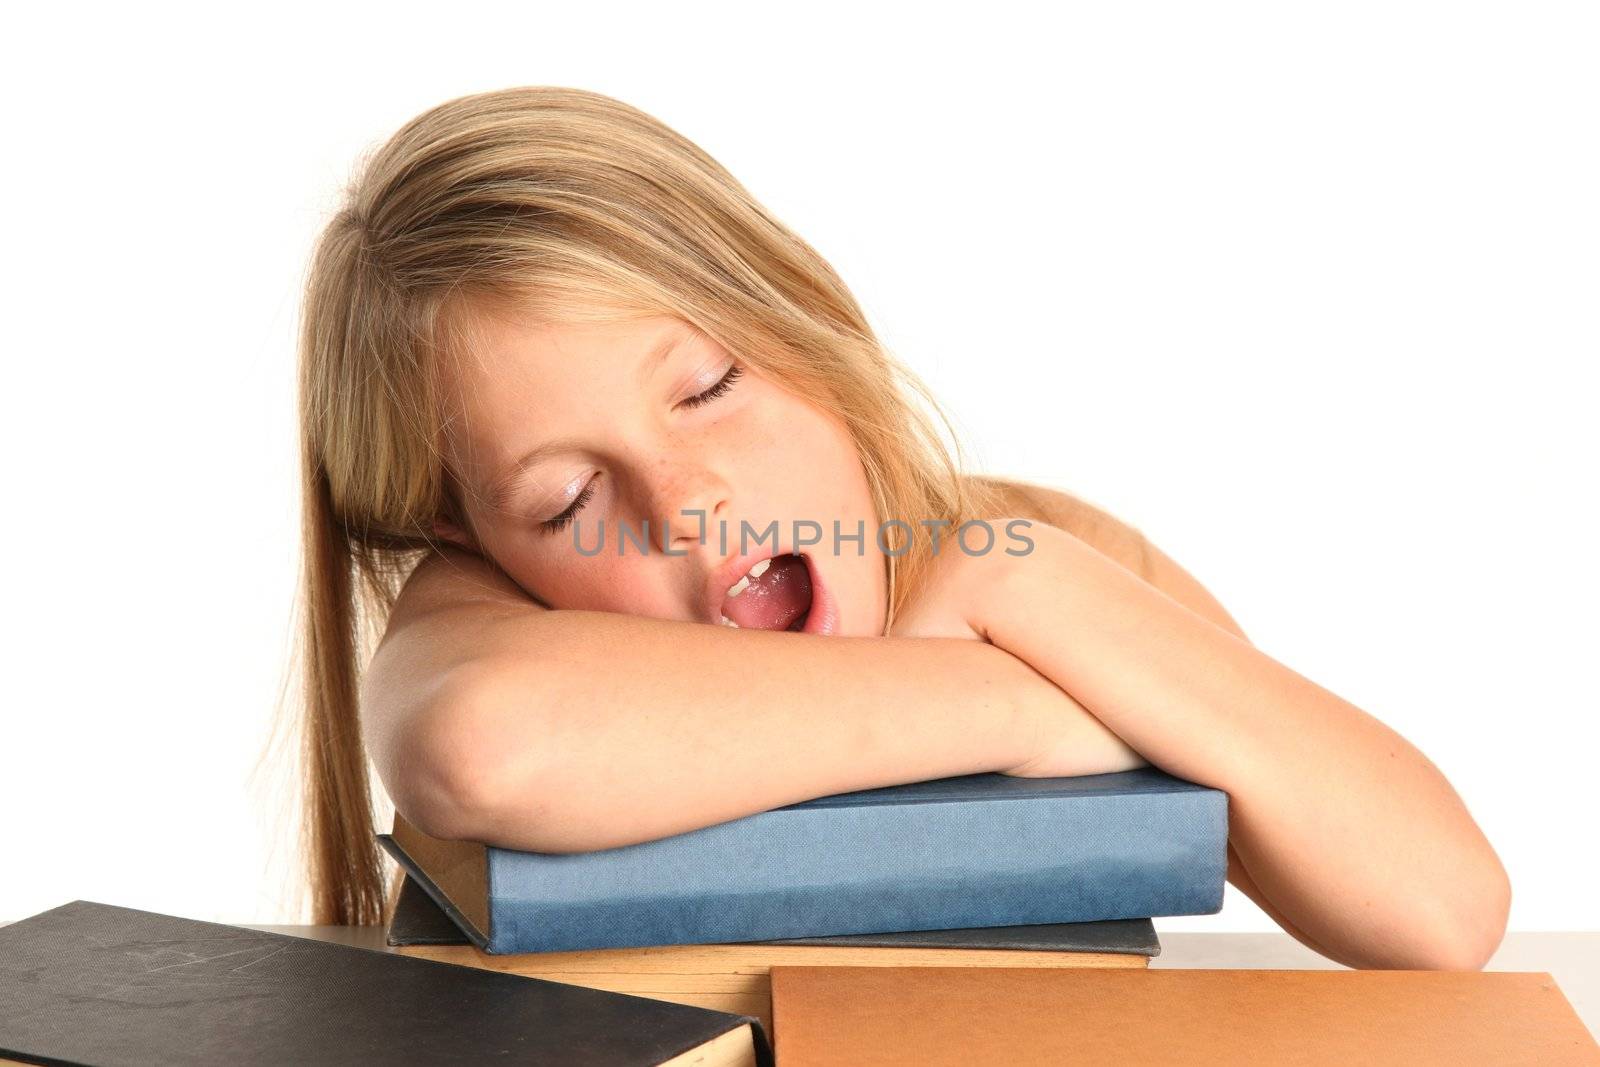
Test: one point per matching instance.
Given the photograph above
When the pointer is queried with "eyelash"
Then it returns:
(733, 375)
(561, 521)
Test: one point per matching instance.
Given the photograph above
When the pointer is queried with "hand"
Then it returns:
(1071, 741)
(962, 589)
(947, 601)
(960, 592)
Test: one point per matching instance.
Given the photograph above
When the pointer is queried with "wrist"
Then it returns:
(1033, 698)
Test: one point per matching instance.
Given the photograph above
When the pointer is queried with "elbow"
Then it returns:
(462, 772)
(486, 798)
(451, 799)
(1468, 933)
(477, 768)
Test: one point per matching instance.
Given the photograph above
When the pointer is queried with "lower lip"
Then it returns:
(823, 618)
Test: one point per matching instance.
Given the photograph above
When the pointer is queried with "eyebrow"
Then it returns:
(503, 488)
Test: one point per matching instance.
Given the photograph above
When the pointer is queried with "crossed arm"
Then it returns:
(1342, 831)
(493, 719)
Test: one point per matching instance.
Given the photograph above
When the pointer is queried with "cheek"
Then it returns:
(839, 480)
(813, 455)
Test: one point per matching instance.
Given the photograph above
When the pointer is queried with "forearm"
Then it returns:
(608, 729)
(1351, 832)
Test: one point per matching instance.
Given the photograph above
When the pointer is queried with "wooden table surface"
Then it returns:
(1573, 959)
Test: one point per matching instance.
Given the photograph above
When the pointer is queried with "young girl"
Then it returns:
(543, 322)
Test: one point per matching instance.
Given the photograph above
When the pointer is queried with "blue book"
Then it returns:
(977, 850)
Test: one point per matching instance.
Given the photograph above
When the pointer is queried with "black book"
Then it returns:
(90, 983)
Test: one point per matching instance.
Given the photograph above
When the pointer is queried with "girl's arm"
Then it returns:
(1347, 832)
(491, 718)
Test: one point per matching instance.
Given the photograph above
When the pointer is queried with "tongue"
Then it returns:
(774, 601)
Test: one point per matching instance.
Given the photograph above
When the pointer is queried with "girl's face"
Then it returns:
(570, 432)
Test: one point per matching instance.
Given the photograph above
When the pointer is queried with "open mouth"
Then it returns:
(777, 594)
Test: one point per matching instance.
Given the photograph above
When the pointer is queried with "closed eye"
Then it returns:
(733, 375)
(557, 524)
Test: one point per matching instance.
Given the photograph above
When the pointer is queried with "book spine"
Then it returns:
(801, 872)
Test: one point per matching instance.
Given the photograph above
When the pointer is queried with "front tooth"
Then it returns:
(744, 583)
(729, 622)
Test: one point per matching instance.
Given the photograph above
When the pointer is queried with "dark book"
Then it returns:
(735, 977)
(958, 853)
(419, 921)
(90, 983)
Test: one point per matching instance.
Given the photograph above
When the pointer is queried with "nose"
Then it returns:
(691, 500)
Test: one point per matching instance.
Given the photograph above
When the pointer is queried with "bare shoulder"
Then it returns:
(1087, 521)
(1115, 538)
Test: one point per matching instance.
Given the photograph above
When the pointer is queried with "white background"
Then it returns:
(1307, 294)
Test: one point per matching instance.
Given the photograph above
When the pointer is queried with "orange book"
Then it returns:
(930, 1016)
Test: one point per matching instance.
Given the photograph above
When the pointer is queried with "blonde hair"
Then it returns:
(568, 205)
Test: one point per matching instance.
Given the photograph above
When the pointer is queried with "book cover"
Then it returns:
(967, 852)
(933, 1016)
(90, 983)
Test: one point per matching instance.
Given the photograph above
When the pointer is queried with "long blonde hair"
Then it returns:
(567, 204)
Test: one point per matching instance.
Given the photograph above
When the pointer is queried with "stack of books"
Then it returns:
(982, 870)
(978, 919)
(88, 983)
